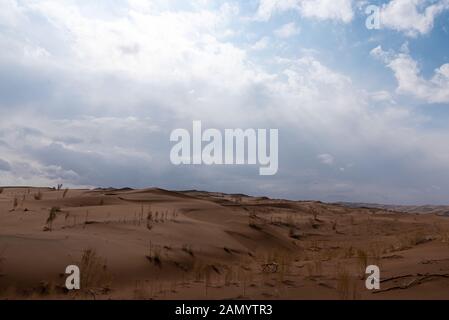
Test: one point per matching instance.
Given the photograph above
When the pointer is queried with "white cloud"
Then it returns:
(338, 10)
(326, 159)
(408, 75)
(287, 30)
(413, 17)
(100, 95)
(261, 44)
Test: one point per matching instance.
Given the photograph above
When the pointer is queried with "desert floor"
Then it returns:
(158, 244)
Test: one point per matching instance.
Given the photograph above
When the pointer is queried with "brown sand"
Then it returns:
(158, 244)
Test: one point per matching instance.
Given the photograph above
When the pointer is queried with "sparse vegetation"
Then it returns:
(64, 194)
(38, 195)
(362, 259)
(94, 271)
(150, 220)
(51, 217)
(15, 203)
(154, 255)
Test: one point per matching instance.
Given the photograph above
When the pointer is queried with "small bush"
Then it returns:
(51, 217)
(94, 271)
(38, 196)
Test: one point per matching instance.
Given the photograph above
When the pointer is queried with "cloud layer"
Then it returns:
(90, 94)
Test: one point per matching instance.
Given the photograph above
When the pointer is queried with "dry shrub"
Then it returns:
(94, 271)
(408, 241)
(38, 195)
(154, 255)
(150, 220)
(346, 284)
(51, 217)
(362, 260)
(65, 193)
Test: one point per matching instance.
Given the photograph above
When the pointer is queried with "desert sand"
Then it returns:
(159, 244)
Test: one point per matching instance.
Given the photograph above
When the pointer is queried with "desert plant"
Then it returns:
(1, 190)
(362, 259)
(38, 196)
(15, 203)
(51, 217)
(154, 255)
(59, 187)
(315, 214)
(334, 225)
(344, 284)
(65, 193)
(94, 271)
(150, 220)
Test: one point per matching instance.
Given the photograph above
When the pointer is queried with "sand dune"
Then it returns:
(159, 244)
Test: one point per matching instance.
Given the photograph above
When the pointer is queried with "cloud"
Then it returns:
(413, 17)
(337, 10)
(89, 96)
(261, 44)
(326, 159)
(287, 30)
(4, 165)
(408, 75)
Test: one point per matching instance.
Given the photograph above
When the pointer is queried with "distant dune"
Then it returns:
(426, 209)
(159, 244)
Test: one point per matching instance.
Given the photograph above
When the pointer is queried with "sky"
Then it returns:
(90, 91)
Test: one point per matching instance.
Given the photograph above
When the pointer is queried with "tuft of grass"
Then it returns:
(94, 271)
(362, 259)
(154, 255)
(65, 193)
(51, 217)
(344, 285)
(150, 220)
(38, 196)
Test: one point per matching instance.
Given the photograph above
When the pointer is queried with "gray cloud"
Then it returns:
(4, 165)
(93, 104)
